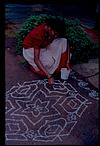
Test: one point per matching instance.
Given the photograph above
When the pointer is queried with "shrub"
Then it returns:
(82, 46)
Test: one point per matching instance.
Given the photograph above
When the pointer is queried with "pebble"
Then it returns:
(8, 49)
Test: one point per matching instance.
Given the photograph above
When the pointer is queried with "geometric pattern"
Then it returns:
(38, 112)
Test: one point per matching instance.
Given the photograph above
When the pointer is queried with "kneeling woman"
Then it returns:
(46, 49)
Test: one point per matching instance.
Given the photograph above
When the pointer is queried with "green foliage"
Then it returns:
(82, 46)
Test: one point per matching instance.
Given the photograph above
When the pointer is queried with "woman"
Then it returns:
(46, 49)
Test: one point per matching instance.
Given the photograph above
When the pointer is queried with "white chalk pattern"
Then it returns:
(37, 112)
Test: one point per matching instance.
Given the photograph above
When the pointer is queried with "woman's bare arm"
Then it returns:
(40, 65)
(38, 62)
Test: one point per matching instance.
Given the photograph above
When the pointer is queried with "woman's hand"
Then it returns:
(51, 80)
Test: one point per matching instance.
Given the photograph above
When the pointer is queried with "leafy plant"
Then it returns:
(82, 46)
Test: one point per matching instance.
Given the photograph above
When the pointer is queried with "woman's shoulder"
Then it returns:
(38, 30)
(39, 27)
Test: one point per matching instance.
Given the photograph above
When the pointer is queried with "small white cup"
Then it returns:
(65, 73)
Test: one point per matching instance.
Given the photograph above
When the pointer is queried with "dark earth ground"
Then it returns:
(86, 131)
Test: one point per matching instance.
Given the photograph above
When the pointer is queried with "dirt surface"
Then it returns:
(82, 128)
(15, 71)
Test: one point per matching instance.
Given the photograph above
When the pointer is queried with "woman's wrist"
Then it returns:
(49, 76)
